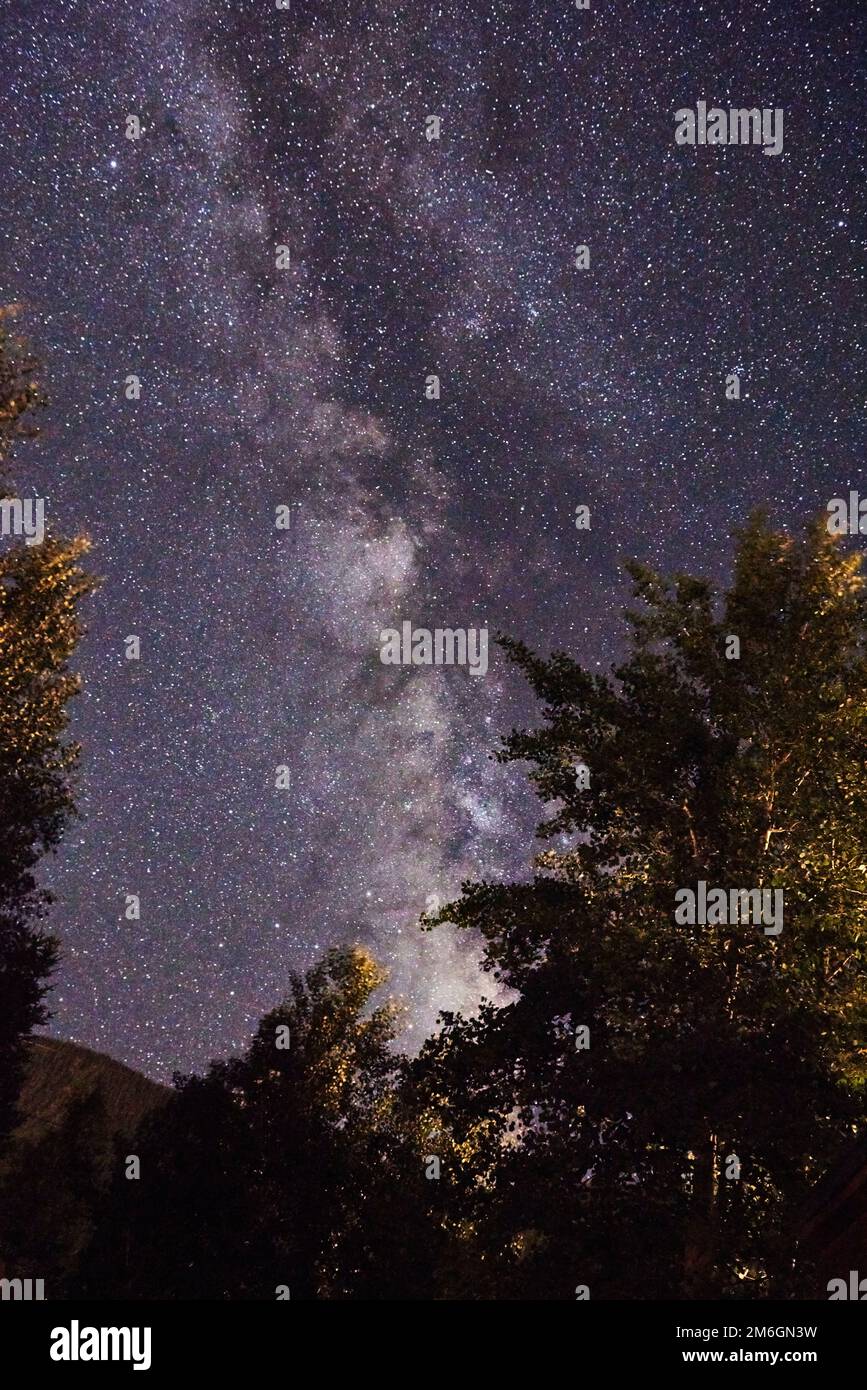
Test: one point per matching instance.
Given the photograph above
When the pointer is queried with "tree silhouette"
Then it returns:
(50, 1190)
(266, 1172)
(664, 1153)
(40, 590)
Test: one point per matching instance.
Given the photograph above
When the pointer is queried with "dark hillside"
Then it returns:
(60, 1073)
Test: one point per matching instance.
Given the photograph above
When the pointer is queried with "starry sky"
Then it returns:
(304, 386)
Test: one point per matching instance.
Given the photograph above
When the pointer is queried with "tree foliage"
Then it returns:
(705, 1041)
(41, 587)
(277, 1169)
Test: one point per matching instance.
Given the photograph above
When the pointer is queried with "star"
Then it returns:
(299, 381)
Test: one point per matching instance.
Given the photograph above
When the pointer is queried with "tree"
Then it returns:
(611, 1158)
(51, 1186)
(40, 590)
(274, 1170)
(20, 393)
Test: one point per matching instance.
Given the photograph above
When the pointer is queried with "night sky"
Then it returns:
(305, 385)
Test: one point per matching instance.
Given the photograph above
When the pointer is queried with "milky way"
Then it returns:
(305, 386)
